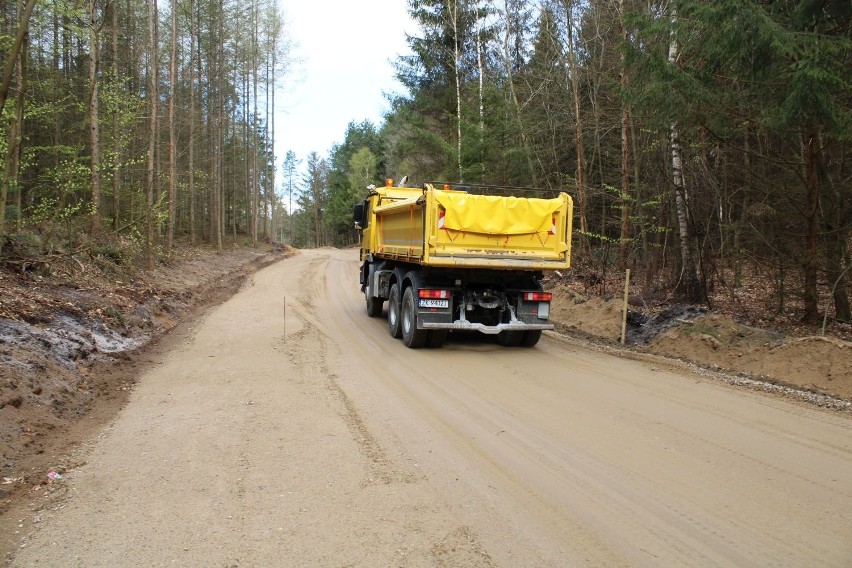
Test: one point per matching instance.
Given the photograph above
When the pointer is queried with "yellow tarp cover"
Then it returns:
(496, 215)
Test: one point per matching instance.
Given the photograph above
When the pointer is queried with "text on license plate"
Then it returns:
(428, 303)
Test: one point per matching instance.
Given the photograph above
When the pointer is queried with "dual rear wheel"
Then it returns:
(394, 322)
(515, 338)
(374, 306)
(411, 336)
(402, 320)
(402, 323)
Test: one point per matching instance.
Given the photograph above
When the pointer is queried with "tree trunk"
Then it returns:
(170, 234)
(744, 206)
(516, 107)
(688, 282)
(481, 73)
(578, 127)
(156, 117)
(838, 219)
(116, 127)
(454, 15)
(12, 61)
(191, 156)
(836, 252)
(9, 181)
(271, 113)
(246, 181)
(810, 296)
(218, 187)
(268, 219)
(625, 147)
(94, 127)
(19, 117)
(255, 147)
(15, 133)
(152, 137)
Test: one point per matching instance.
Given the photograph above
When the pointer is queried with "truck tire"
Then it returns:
(411, 336)
(510, 338)
(437, 337)
(394, 321)
(531, 338)
(374, 307)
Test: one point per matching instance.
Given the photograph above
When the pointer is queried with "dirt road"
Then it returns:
(306, 436)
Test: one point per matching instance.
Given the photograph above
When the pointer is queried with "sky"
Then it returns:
(346, 49)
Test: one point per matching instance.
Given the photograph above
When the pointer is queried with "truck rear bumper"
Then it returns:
(465, 325)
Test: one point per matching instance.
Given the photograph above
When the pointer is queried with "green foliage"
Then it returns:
(362, 172)
(788, 59)
(598, 237)
(353, 165)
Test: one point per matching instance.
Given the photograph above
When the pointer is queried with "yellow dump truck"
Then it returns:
(461, 258)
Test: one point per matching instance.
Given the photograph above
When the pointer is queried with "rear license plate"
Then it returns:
(426, 303)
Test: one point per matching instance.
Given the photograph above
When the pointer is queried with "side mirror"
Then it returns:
(358, 215)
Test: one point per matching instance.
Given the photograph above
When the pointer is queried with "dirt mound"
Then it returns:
(818, 364)
(592, 316)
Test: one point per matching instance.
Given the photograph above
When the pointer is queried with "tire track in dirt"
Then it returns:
(461, 547)
(308, 349)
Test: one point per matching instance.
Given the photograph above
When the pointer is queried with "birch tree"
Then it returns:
(689, 277)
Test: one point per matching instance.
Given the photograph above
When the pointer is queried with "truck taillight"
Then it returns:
(538, 296)
(442, 294)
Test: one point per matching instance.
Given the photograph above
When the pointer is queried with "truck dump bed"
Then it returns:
(447, 228)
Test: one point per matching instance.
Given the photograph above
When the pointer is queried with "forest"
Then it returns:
(131, 124)
(707, 145)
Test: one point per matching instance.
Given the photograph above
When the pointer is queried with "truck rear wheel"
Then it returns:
(394, 327)
(411, 336)
(374, 307)
(437, 337)
(510, 338)
(531, 337)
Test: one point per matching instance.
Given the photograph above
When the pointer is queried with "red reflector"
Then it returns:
(434, 294)
(538, 296)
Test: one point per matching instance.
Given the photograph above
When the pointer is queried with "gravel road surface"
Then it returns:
(290, 429)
